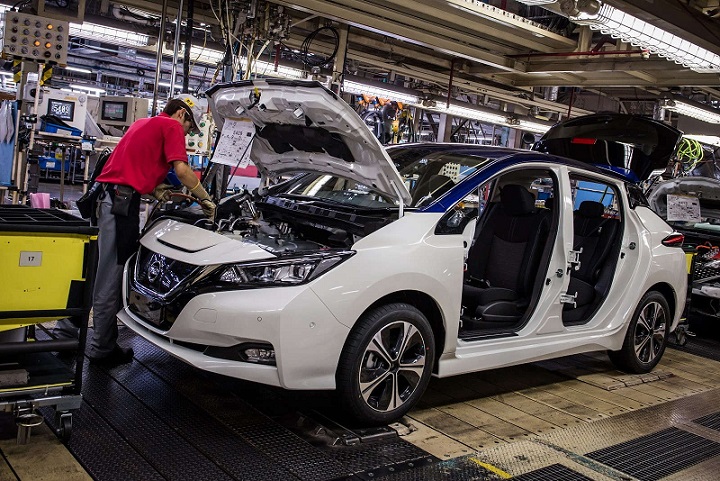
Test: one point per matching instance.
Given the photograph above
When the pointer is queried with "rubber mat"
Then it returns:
(657, 455)
(554, 472)
(159, 418)
(711, 421)
(703, 347)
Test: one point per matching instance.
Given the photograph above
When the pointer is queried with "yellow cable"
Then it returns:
(491, 468)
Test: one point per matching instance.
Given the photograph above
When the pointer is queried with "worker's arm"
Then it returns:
(189, 180)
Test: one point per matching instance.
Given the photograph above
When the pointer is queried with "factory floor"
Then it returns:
(574, 418)
(569, 419)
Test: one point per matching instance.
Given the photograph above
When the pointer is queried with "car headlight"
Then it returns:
(281, 272)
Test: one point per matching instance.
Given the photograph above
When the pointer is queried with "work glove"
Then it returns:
(206, 203)
(162, 192)
(208, 208)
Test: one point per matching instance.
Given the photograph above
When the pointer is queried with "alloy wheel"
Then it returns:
(650, 331)
(392, 366)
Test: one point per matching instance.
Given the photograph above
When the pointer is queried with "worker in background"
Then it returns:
(137, 166)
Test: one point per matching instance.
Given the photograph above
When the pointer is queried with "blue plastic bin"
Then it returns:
(54, 128)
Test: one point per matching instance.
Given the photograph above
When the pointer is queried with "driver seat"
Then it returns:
(503, 261)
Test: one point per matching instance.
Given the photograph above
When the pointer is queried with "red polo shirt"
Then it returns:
(145, 154)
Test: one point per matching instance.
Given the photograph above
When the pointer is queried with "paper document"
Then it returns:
(233, 147)
(683, 208)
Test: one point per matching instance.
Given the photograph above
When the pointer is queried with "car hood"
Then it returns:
(303, 127)
(629, 144)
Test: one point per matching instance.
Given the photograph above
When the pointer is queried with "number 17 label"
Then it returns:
(30, 258)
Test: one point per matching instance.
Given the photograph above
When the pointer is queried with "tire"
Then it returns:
(646, 337)
(390, 351)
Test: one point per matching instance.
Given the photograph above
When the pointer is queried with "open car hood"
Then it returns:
(303, 127)
(629, 144)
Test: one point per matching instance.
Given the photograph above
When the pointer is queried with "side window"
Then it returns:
(595, 193)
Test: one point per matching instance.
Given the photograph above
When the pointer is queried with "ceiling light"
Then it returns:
(76, 69)
(92, 90)
(380, 92)
(536, 2)
(108, 34)
(267, 69)
(469, 113)
(705, 139)
(639, 33)
(530, 126)
(692, 109)
(167, 84)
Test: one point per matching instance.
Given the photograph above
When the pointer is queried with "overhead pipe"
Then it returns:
(121, 15)
(158, 60)
(188, 46)
(590, 53)
(450, 82)
(176, 49)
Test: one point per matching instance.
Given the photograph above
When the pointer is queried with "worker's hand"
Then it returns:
(162, 192)
(208, 208)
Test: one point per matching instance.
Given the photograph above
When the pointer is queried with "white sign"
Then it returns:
(233, 148)
(683, 208)
(30, 258)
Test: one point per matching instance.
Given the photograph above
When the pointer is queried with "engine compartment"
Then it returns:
(279, 225)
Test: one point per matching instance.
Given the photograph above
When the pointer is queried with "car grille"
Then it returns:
(160, 274)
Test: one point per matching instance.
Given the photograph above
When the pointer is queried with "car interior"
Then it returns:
(508, 258)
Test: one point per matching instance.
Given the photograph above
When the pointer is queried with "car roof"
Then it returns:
(507, 154)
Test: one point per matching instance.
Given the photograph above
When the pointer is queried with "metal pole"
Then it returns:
(158, 61)
(176, 49)
(188, 46)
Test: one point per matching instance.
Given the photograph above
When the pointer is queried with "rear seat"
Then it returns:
(596, 236)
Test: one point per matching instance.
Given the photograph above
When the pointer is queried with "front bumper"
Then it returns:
(306, 337)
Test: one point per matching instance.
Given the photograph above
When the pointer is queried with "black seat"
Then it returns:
(502, 262)
(595, 235)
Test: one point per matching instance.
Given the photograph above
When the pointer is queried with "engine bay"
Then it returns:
(282, 226)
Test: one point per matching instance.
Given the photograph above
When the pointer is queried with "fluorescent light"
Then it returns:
(108, 34)
(92, 90)
(76, 69)
(530, 126)
(639, 33)
(705, 139)
(695, 110)
(536, 2)
(267, 69)
(206, 55)
(167, 84)
(469, 113)
(380, 92)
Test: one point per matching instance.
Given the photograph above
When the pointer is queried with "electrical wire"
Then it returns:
(306, 57)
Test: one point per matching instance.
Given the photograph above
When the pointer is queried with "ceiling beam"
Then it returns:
(367, 16)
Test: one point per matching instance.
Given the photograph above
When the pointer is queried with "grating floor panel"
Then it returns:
(554, 472)
(703, 347)
(652, 457)
(711, 421)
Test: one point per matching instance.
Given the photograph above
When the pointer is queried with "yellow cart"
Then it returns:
(48, 260)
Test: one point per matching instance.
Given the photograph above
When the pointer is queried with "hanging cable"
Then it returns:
(312, 60)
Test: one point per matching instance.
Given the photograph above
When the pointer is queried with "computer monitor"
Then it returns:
(114, 111)
(61, 109)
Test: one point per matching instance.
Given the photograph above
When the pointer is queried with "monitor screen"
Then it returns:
(114, 111)
(61, 109)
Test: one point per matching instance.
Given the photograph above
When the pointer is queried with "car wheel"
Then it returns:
(646, 336)
(386, 363)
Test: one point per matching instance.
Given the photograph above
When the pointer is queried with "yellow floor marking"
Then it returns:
(491, 468)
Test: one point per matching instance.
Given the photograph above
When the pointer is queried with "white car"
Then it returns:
(369, 270)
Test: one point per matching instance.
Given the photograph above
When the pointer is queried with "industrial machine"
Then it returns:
(70, 107)
(121, 112)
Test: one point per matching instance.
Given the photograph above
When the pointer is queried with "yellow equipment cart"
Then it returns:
(47, 258)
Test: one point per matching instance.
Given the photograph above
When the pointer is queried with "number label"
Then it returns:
(30, 258)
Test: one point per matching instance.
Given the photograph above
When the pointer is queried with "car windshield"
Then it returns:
(337, 190)
(428, 173)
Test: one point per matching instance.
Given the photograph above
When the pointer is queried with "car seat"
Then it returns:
(503, 261)
(595, 235)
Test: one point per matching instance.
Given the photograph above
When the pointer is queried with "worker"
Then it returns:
(137, 166)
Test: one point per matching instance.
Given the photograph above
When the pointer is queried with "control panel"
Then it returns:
(35, 38)
(199, 144)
